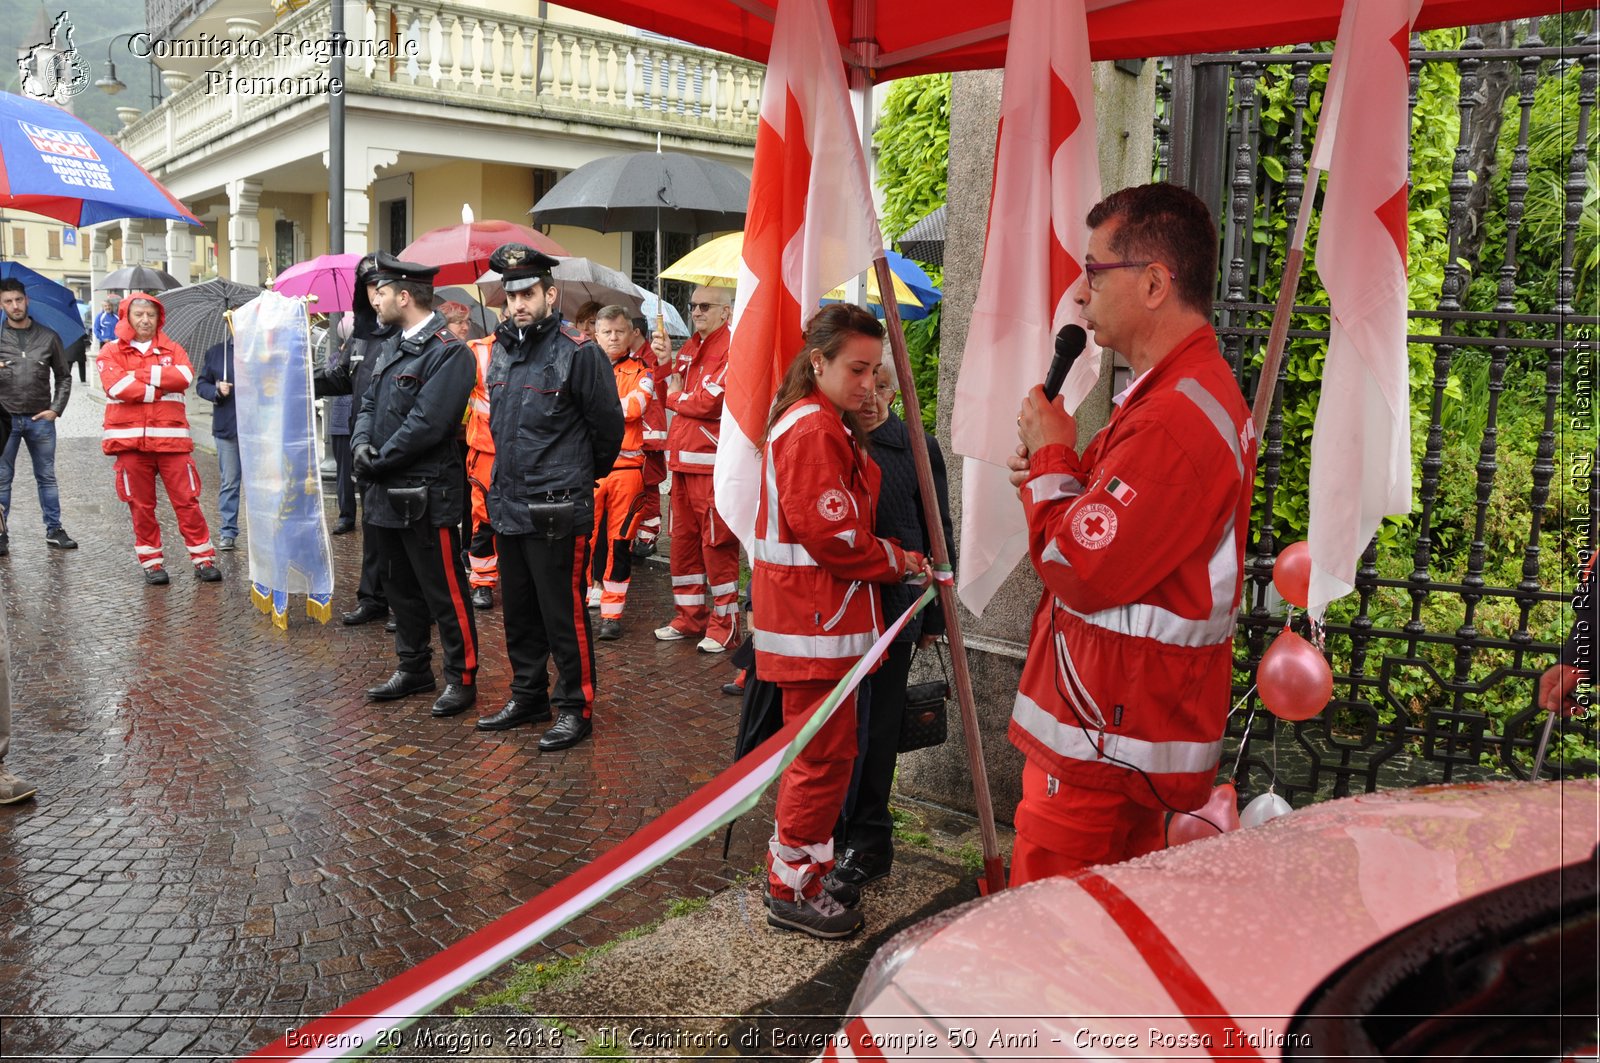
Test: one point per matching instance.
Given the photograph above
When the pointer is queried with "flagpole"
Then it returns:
(940, 552)
(1278, 337)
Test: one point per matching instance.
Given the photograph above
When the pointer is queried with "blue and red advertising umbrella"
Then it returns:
(51, 163)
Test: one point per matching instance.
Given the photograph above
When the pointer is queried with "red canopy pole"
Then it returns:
(940, 551)
(1278, 337)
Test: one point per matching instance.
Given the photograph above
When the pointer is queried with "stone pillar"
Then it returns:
(996, 642)
(180, 250)
(357, 211)
(99, 259)
(132, 242)
(244, 230)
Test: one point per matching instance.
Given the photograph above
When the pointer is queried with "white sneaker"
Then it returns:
(594, 597)
(13, 789)
(711, 645)
(669, 634)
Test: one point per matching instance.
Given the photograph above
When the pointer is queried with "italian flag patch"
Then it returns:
(1120, 491)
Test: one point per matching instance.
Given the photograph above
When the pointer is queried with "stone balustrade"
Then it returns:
(463, 56)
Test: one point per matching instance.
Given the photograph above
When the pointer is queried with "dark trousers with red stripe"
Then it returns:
(423, 578)
(544, 585)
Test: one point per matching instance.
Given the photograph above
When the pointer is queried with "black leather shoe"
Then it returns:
(456, 699)
(570, 729)
(514, 712)
(856, 867)
(156, 576)
(365, 613)
(483, 598)
(207, 573)
(391, 624)
(733, 690)
(609, 630)
(343, 527)
(402, 684)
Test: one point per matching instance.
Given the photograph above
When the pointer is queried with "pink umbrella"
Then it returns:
(329, 279)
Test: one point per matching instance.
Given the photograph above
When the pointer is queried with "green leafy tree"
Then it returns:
(913, 148)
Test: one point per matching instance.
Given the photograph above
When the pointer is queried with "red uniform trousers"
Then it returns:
(616, 503)
(1063, 828)
(647, 526)
(705, 562)
(481, 550)
(135, 472)
(811, 794)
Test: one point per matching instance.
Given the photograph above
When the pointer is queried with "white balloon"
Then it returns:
(1268, 806)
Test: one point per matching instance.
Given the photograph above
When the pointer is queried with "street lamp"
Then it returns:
(111, 85)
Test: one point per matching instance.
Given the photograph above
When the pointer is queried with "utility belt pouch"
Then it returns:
(552, 520)
(408, 503)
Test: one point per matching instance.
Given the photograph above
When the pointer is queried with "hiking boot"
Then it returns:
(58, 538)
(206, 572)
(821, 916)
(482, 598)
(610, 630)
(858, 867)
(156, 576)
(13, 789)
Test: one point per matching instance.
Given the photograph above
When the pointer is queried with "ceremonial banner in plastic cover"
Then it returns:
(288, 539)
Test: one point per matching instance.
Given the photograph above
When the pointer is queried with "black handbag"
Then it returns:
(408, 503)
(925, 722)
(552, 520)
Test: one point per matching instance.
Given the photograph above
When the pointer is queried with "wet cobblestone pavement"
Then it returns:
(229, 839)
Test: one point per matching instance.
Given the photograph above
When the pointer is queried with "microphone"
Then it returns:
(1070, 342)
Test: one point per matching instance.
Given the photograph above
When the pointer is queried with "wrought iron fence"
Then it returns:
(1437, 653)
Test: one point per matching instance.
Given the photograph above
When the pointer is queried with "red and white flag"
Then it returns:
(1361, 442)
(811, 226)
(1046, 177)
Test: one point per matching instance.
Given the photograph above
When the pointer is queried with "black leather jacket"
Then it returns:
(556, 422)
(411, 413)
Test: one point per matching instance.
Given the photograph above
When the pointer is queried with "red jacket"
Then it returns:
(144, 391)
(478, 437)
(655, 415)
(815, 558)
(1140, 544)
(697, 409)
(636, 391)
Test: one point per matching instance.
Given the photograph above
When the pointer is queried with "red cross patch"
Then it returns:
(833, 504)
(1094, 526)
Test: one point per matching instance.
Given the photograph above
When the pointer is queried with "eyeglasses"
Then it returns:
(887, 390)
(704, 308)
(1094, 269)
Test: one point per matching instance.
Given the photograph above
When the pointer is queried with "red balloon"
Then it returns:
(1291, 574)
(1222, 810)
(1294, 678)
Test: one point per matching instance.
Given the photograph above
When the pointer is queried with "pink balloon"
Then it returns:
(1291, 574)
(1222, 809)
(1294, 678)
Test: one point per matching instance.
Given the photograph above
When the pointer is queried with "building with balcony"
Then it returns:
(445, 104)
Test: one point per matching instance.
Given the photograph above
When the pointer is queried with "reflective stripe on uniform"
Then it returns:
(827, 647)
(139, 433)
(693, 579)
(691, 457)
(792, 555)
(1077, 743)
(1195, 392)
(1050, 486)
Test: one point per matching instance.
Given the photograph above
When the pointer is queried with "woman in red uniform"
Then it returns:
(145, 373)
(816, 607)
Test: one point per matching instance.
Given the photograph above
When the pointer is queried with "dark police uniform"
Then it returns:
(405, 452)
(557, 427)
(349, 372)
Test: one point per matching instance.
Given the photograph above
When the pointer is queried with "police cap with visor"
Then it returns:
(390, 270)
(521, 267)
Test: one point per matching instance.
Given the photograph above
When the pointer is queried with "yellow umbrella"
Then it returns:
(716, 263)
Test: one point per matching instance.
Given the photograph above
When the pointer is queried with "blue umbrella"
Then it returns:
(912, 276)
(54, 164)
(41, 289)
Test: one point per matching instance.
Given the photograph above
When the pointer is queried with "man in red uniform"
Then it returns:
(144, 374)
(705, 553)
(616, 497)
(1140, 543)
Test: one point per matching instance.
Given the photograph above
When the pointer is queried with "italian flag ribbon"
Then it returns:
(352, 1031)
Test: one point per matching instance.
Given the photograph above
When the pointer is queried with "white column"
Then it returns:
(99, 255)
(132, 242)
(244, 230)
(357, 210)
(180, 250)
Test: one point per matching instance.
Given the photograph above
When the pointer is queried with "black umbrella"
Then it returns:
(138, 279)
(924, 241)
(196, 315)
(648, 190)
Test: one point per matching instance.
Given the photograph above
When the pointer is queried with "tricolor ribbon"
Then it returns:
(352, 1031)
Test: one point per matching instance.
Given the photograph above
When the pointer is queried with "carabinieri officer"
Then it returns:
(403, 448)
(557, 427)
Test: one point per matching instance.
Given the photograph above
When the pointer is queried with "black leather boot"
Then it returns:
(402, 684)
